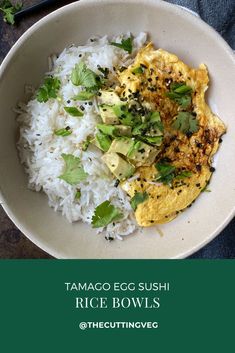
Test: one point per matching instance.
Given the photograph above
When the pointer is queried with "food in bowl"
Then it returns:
(119, 135)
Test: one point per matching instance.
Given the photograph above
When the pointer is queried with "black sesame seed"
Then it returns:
(117, 181)
(212, 169)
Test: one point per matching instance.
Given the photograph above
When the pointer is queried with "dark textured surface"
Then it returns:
(13, 244)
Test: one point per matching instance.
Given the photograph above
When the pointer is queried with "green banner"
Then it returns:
(105, 306)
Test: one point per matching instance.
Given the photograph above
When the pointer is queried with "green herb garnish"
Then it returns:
(135, 147)
(180, 93)
(138, 198)
(104, 141)
(74, 172)
(73, 111)
(138, 70)
(184, 174)
(8, 9)
(84, 96)
(107, 129)
(63, 132)
(154, 117)
(126, 117)
(126, 44)
(86, 143)
(49, 89)
(82, 76)
(166, 172)
(78, 195)
(104, 214)
(186, 123)
(154, 140)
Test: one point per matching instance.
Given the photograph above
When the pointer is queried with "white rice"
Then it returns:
(40, 149)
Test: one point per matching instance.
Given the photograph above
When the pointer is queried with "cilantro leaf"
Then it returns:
(49, 89)
(63, 132)
(104, 214)
(184, 174)
(107, 129)
(74, 172)
(8, 9)
(82, 76)
(126, 117)
(126, 44)
(73, 111)
(138, 70)
(154, 140)
(78, 195)
(86, 143)
(180, 93)
(186, 123)
(135, 147)
(84, 95)
(104, 141)
(138, 198)
(166, 172)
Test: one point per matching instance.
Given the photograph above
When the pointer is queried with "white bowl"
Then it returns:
(171, 28)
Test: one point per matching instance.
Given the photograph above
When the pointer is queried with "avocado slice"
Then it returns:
(107, 114)
(121, 145)
(123, 130)
(142, 154)
(108, 97)
(115, 130)
(118, 166)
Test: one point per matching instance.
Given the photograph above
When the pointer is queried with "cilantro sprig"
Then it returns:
(84, 96)
(104, 214)
(49, 89)
(73, 172)
(138, 198)
(63, 132)
(83, 76)
(168, 172)
(8, 9)
(185, 122)
(180, 93)
(73, 111)
(126, 44)
(138, 70)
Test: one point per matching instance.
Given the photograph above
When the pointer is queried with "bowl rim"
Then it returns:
(196, 20)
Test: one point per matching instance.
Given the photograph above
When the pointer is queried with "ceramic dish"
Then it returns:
(171, 28)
